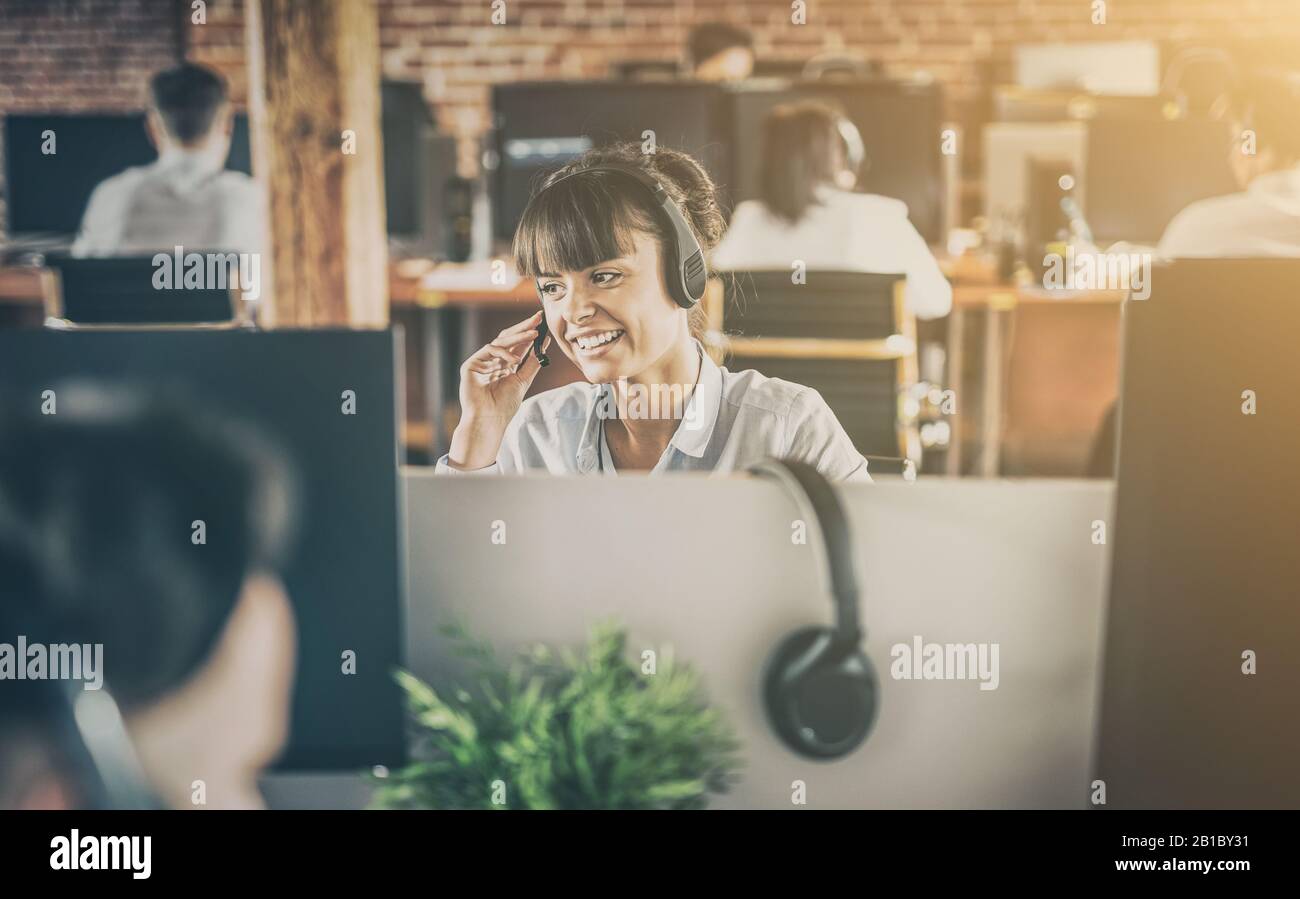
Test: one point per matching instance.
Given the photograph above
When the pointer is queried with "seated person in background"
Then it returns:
(808, 212)
(595, 244)
(720, 52)
(97, 505)
(1264, 219)
(186, 198)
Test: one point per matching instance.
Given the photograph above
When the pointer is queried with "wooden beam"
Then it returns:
(314, 76)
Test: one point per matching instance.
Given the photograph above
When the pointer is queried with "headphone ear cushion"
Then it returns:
(821, 696)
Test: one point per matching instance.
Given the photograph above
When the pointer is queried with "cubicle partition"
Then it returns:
(707, 566)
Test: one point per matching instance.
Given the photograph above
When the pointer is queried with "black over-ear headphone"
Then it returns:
(819, 688)
(685, 269)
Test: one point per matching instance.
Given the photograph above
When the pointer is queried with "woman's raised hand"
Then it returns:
(493, 382)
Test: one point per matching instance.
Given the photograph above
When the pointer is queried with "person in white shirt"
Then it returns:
(599, 245)
(809, 213)
(185, 198)
(1264, 219)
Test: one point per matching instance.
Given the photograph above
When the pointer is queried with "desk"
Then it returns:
(412, 287)
(976, 292)
(1001, 306)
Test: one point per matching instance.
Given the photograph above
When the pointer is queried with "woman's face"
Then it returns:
(615, 319)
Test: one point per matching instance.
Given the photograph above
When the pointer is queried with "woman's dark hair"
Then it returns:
(802, 150)
(98, 503)
(583, 221)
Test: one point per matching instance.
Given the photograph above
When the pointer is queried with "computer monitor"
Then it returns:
(1200, 672)
(48, 192)
(344, 573)
(1124, 68)
(1009, 147)
(1140, 172)
(542, 125)
(900, 124)
(419, 172)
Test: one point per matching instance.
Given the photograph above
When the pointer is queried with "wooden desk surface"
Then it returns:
(410, 287)
(22, 285)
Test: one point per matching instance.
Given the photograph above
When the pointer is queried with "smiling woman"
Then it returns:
(615, 242)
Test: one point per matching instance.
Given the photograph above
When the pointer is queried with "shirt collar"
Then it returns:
(696, 427)
(186, 169)
(693, 432)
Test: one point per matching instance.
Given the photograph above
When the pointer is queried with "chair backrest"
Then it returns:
(123, 291)
(845, 334)
(828, 305)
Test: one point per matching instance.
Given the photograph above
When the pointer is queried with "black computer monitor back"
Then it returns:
(541, 126)
(48, 192)
(1141, 172)
(1205, 579)
(343, 574)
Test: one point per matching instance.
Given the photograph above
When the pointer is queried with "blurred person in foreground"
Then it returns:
(99, 505)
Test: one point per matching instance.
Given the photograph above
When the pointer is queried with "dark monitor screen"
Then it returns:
(1205, 566)
(901, 127)
(406, 123)
(541, 126)
(343, 575)
(1139, 173)
(48, 193)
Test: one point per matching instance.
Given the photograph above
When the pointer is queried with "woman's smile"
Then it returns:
(594, 344)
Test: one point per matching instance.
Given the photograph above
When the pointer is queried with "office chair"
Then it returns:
(120, 291)
(846, 334)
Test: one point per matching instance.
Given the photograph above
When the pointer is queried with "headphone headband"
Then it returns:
(819, 503)
(686, 271)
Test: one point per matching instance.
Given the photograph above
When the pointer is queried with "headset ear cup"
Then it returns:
(694, 278)
(821, 696)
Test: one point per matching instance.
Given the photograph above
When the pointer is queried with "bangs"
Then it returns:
(579, 222)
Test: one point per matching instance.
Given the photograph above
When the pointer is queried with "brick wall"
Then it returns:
(93, 54)
(454, 50)
(81, 55)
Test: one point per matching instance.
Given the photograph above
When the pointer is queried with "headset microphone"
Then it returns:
(820, 689)
(542, 359)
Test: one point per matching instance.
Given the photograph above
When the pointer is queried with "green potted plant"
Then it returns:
(563, 730)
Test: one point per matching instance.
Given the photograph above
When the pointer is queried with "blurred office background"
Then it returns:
(982, 115)
(1012, 129)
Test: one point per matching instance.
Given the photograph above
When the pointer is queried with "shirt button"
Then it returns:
(586, 460)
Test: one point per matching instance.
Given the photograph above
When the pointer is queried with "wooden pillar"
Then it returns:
(318, 148)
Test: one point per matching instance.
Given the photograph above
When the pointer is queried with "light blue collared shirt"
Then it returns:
(732, 420)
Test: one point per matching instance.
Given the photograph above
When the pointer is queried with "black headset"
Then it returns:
(685, 269)
(819, 687)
